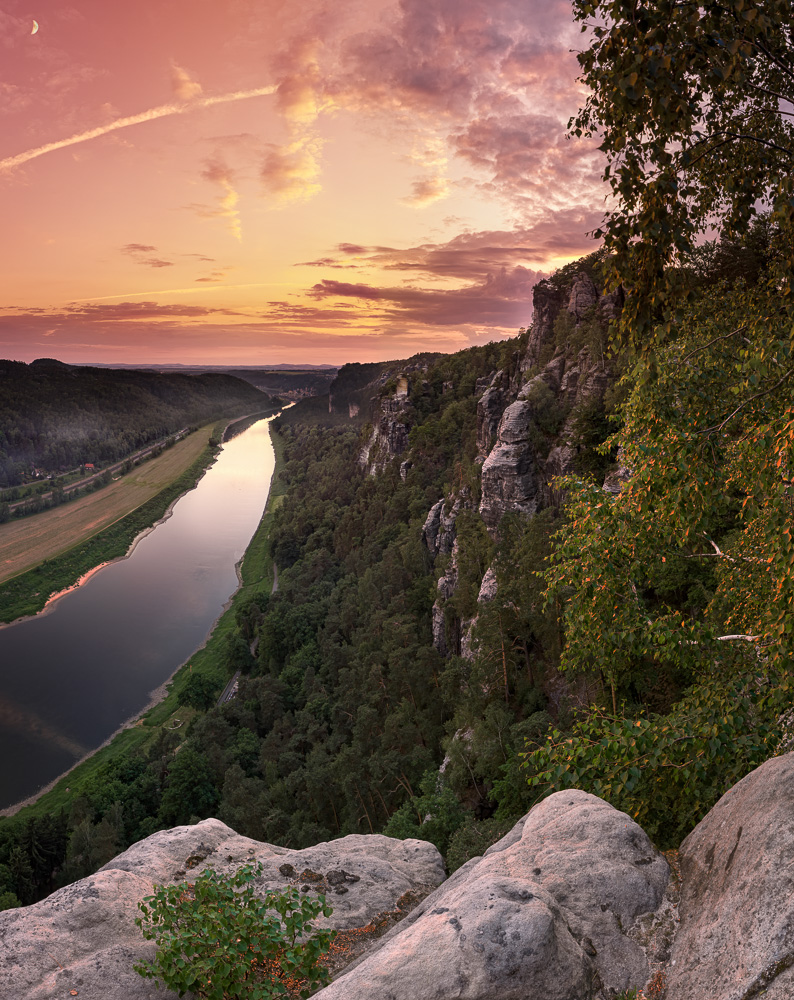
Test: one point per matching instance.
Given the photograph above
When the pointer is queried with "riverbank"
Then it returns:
(27, 542)
(50, 553)
(164, 710)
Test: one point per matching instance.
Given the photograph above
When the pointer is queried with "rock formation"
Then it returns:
(735, 938)
(84, 938)
(517, 471)
(490, 407)
(574, 903)
(389, 436)
(509, 473)
(548, 912)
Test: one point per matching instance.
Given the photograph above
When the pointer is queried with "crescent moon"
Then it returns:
(35, 28)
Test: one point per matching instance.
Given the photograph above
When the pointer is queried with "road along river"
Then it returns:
(72, 675)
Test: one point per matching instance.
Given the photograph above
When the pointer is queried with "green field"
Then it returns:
(28, 592)
(26, 542)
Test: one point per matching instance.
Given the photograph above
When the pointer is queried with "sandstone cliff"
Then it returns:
(529, 422)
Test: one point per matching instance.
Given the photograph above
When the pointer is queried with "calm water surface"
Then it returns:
(71, 676)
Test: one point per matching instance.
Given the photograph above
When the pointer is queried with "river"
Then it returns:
(72, 675)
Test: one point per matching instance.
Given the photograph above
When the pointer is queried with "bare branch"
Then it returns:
(712, 342)
(719, 554)
(770, 93)
(758, 395)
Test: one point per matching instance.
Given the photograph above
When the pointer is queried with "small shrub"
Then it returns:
(216, 939)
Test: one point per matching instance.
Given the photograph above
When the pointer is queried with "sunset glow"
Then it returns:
(228, 181)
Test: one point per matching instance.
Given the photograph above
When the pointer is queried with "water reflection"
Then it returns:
(71, 676)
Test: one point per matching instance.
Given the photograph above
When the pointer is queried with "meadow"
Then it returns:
(29, 541)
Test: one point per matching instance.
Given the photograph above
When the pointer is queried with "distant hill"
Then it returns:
(55, 416)
(289, 381)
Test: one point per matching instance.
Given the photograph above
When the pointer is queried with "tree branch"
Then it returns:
(758, 395)
(711, 342)
(770, 93)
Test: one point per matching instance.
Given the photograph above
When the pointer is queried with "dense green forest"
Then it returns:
(54, 417)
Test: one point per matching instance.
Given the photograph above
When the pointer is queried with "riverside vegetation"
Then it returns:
(637, 641)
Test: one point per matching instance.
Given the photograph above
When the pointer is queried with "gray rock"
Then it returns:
(389, 436)
(547, 302)
(583, 297)
(490, 407)
(569, 384)
(432, 526)
(488, 587)
(438, 532)
(446, 588)
(83, 937)
(611, 303)
(439, 628)
(509, 481)
(543, 915)
(615, 480)
(737, 899)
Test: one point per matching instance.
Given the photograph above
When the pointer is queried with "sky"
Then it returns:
(267, 181)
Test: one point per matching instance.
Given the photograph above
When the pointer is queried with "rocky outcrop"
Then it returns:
(389, 436)
(83, 938)
(573, 903)
(519, 468)
(547, 912)
(736, 940)
(490, 407)
(446, 588)
(611, 303)
(615, 480)
(438, 531)
(547, 301)
(509, 473)
(488, 586)
(583, 297)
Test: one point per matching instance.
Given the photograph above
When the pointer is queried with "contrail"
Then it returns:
(163, 111)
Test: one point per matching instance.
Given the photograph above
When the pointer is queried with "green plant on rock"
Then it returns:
(216, 939)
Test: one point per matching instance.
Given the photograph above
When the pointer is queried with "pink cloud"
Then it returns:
(502, 300)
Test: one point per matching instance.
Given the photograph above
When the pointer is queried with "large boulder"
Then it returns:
(84, 938)
(549, 912)
(736, 936)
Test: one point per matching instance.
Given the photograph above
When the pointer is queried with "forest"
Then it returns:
(564, 559)
(55, 417)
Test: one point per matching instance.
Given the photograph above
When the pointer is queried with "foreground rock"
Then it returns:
(735, 939)
(83, 937)
(573, 904)
(552, 911)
